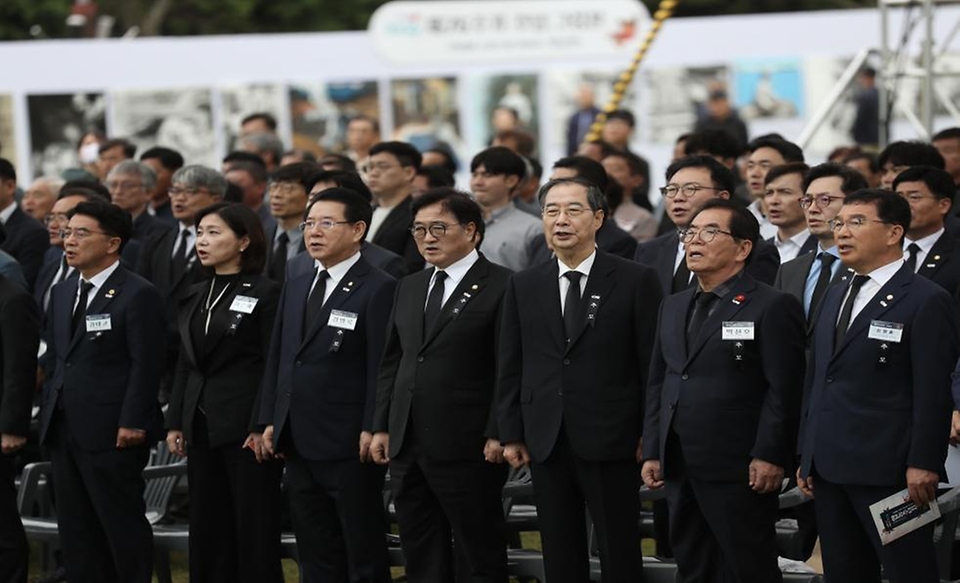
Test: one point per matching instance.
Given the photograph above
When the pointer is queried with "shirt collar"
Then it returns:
(191, 228)
(882, 275)
(337, 271)
(725, 287)
(500, 212)
(5, 213)
(585, 266)
(927, 243)
(835, 251)
(797, 240)
(457, 270)
(101, 278)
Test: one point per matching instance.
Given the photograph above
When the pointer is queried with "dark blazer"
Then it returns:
(942, 264)
(728, 401)
(447, 378)
(375, 255)
(610, 238)
(27, 240)
(51, 264)
(394, 235)
(572, 130)
(145, 224)
(792, 279)
(109, 379)
(324, 382)
(811, 245)
(230, 366)
(19, 339)
(872, 408)
(270, 233)
(661, 253)
(595, 385)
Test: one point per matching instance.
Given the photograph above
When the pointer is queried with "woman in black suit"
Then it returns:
(225, 326)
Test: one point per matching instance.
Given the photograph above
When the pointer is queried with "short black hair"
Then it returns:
(790, 151)
(242, 156)
(7, 171)
(372, 121)
(113, 220)
(715, 142)
(355, 207)
(244, 223)
(850, 179)
(536, 168)
(437, 176)
(499, 160)
(304, 155)
(348, 180)
(258, 172)
(341, 161)
(129, 149)
(784, 169)
(947, 134)
(623, 115)
(86, 188)
(299, 172)
(912, 153)
(169, 159)
(459, 204)
(870, 158)
(938, 181)
(449, 158)
(891, 207)
(743, 225)
(721, 176)
(405, 153)
(266, 118)
(526, 142)
(586, 168)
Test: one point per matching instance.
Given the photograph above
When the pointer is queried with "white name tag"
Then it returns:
(98, 323)
(243, 304)
(341, 319)
(737, 331)
(886, 331)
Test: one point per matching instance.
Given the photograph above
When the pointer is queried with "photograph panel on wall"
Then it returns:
(677, 98)
(320, 112)
(501, 102)
(173, 118)
(426, 113)
(768, 88)
(237, 102)
(57, 123)
(575, 99)
(8, 136)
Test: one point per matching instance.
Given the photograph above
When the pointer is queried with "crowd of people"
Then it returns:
(352, 323)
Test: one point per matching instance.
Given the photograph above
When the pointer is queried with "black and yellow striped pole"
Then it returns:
(664, 11)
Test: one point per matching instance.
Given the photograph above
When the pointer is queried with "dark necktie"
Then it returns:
(847, 309)
(701, 310)
(432, 312)
(81, 310)
(278, 263)
(823, 281)
(315, 301)
(182, 257)
(913, 249)
(64, 269)
(681, 279)
(571, 304)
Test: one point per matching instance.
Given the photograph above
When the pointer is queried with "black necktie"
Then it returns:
(847, 309)
(571, 304)
(701, 310)
(432, 312)
(64, 269)
(681, 279)
(182, 257)
(315, 301)
(913, 249)
(823, 281)
(81, 310)
(278, 263)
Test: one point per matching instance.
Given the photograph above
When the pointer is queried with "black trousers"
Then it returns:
(337, 512)
(562, 484)
(235, 510)
(104, 534)
(439, 501)
(850, 545)
(14, 553)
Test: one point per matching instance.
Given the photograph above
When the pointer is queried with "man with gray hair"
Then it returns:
(267, 146)
(40, 196)
(169, 259)
(131, 185)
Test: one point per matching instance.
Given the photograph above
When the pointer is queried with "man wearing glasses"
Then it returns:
(287, 196)
(319, 390)
(691, 182)
(877, 399)
(723, 403)
(131, 185)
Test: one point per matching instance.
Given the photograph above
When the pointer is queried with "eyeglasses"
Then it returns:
(854, 223)
(571, 211)
(437, 230)
(822, 200)
(380, 167)
(55, 217)
(189, 192)
(689, 189)
(706, 234)
(287, 188)
(122, 186)
(324, 224)
(80, 233)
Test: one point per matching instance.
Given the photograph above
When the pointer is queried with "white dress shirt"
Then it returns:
(97, 280)
(925, 245)
(878, 278)
(455, 273)
(790, 248)
(334, 274)
(585, 266)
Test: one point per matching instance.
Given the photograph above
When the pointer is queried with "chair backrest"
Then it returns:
(158, 490)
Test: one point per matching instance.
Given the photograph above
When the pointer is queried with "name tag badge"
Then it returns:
(98, 323)
(886, 331)
(737, 331)
(243, 304)
(341, 319)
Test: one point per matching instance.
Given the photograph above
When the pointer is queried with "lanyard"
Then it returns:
(209, 306)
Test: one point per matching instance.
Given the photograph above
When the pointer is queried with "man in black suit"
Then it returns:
(131, 185)
(26, 238)
(19, 338)
(579, 124)
(574, 354)
(391, 170)
(99, 412)
(288, 196)
(435, 420)
(782, 189)
(691, 182)
(319, 391)
(731, 346)
(883, 351)
(164, 162)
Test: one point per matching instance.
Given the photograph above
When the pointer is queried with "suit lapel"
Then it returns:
(811, 245)
(396, 219)
(191, 304)
(468, 288)
(679, 327)
(101, 302)
(727, 308)
(938, 255)
(348, 284)
(224, 319)
(880, 303)
(669, 253)
(600, 284)
(549, 295)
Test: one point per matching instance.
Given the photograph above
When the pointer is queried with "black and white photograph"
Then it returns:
(575, 99)
(237, 102)
(502, 102)
(677, 97)
(426, 112)
(320, 111)
(57, 123)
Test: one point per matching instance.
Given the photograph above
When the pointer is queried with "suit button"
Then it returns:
(298, 363)
(673, 406)
(829, 379)
(566, 361)
(685, 377)
(419, 359)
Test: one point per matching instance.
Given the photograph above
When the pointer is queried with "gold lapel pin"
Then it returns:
(111, 293)
(936, 258)
(474, 287)
(890, 297)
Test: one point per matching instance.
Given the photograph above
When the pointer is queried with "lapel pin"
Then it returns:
(111, 293)
(474, 287)
(739, 299)
(245, 284)
(883, 303)
(349, 284)
(936, 258)
(890, 297)
(931, 265)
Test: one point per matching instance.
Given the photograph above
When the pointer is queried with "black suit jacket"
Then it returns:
(792, 279)
(51, 265)
(27, 240)
(447, 378)
(572, 129)
(270, 233)
(375, 255)
(728, 401)
(610, 238)
(107, 379)
(19, 339)
(145, 224)
(228, 369)
(394, 235)
(811, 245)
(323, 382)
(595, 385)
(942, 264)
(661, 253)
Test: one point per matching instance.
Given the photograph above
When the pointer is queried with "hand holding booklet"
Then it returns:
(896, 515)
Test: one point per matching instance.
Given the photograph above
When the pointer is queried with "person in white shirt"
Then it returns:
(783, 187)
(765, 153)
